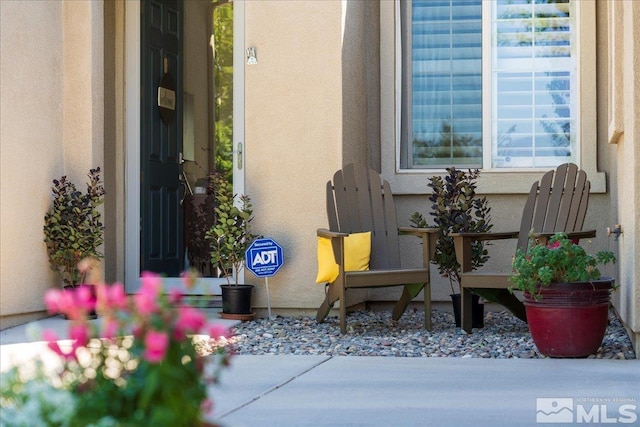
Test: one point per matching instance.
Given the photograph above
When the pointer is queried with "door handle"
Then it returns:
(239, 155)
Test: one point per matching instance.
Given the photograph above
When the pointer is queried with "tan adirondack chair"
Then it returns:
(556, 203)
(358, 200)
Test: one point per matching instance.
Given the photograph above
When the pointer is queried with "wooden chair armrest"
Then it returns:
(543, 238)
(413, 231)
(323, 232)
(486, 236)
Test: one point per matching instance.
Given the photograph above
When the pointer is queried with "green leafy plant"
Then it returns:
(72, 228)
(560, 261)
(231, 235)
(456, 208)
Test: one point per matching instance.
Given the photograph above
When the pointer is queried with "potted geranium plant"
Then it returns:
(229, 238)
(565, 297)
(456, 208)
(73, 228)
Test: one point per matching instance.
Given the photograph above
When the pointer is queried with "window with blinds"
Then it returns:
(532, 74)
(445, 110)
(532, 71)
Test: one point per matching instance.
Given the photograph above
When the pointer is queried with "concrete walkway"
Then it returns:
(379, 391)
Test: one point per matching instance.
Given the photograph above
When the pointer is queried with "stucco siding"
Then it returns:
(293, 134)
(31, 152)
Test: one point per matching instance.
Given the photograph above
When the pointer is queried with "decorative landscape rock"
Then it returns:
(373, 333)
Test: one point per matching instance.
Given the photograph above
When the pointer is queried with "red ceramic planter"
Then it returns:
(571, 318)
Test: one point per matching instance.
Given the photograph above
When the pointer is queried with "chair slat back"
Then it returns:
(556, 203)
(359, 200)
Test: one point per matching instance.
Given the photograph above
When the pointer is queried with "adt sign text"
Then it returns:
(264, 257)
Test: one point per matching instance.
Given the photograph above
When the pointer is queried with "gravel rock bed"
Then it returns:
(374, 333)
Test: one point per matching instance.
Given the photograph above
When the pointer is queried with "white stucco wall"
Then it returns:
(31, 151)
(51, 112)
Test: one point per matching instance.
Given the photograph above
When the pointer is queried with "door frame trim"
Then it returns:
(132, 148)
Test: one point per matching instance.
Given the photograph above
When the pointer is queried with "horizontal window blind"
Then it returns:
(446, 83)
(532, 76)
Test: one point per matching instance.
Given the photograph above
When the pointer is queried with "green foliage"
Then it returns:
(456, 209)
(223, 76)
(127, 387)
(561, 261)
(72, 228)
(230, 236)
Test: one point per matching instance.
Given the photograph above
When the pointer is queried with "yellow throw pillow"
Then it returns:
(357, 252)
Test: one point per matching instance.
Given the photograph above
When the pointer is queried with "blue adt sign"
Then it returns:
(264, 257)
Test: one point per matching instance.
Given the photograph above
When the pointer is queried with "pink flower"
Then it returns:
(206, 406)
(217, 330)
(151, 283)
(156, 344)
(83, 297)
(52, 343)
(147, 299)
(175, 296)
(58, 301)
(190, 319)
(79, 333)
(554, 245)
(137, 330)
(110, 327)
(111, 297)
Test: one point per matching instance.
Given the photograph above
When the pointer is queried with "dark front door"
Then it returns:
(161, 191)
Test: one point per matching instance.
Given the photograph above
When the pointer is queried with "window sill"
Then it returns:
(489, 182)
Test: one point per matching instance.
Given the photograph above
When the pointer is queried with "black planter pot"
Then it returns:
(477, 310)
(236, 299)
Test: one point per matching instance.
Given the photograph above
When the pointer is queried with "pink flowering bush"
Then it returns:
(145, 370)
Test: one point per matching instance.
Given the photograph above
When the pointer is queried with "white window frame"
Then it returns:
(492, 181)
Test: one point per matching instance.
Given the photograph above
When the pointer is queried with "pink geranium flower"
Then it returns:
(79, 333)
(52, 343)
(190, 320)
(83, 298)
(110, 297)
(110, 327)
(554, 245)
(175, 296)
(147, 299)
(156, 344)
(216, 330)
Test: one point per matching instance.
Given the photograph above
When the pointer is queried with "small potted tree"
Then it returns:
(73, 231)
(229, 239)
(73, 228)
(456, 208)
(565, 297)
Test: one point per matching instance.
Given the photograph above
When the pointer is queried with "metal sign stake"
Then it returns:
(266, 282)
